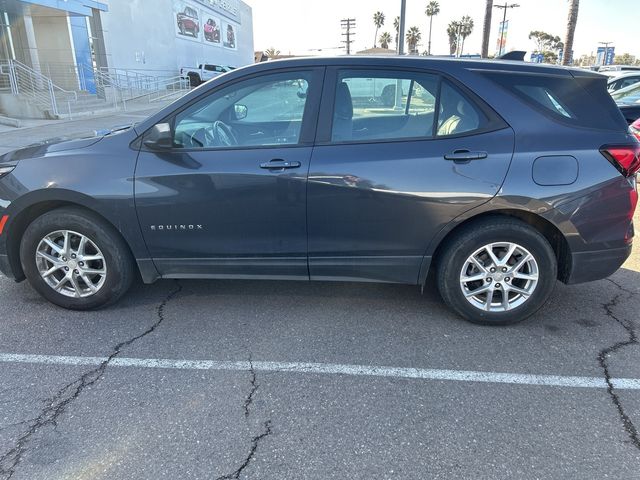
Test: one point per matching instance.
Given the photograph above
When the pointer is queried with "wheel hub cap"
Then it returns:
(71, 264)
(499, 277)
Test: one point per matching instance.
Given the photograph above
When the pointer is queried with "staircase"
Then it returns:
(28, 93)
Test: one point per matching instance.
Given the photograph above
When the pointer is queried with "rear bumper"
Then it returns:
(596, 265)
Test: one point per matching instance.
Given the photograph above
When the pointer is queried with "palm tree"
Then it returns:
(571, 30)
(432, 10)
(378, 21)
(486, 29)
(385, 40)
(452, 31)
(413, 37)
(465, 30)
(396, 25)
(272, 52)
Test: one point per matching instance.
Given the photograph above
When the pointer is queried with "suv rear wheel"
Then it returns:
(75, 260)
(497, 272)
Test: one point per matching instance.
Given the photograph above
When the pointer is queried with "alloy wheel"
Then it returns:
(71, 264)
(499, 277)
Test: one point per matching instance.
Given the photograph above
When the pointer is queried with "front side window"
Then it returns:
(372, 105)
(262, 111)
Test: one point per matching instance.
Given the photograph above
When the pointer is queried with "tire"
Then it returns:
(194, 80)
(109, 266)
(455, 269)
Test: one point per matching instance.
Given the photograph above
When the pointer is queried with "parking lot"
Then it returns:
(284, 380)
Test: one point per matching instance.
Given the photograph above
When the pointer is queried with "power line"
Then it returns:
(348, 24)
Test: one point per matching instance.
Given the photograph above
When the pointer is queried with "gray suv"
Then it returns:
(495, 178)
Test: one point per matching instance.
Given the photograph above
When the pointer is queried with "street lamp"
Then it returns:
(504, 7)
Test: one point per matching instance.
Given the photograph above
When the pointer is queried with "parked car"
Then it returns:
(202, 73)
(516, 176)
(619, 68)
(624, 80)
(628, 100)
(188, 22)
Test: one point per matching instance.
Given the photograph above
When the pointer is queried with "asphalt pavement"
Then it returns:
(285, 380)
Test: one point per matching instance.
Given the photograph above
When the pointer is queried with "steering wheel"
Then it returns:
(224, 134)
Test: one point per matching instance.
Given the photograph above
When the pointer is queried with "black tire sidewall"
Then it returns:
(475, 238)
(117, 257)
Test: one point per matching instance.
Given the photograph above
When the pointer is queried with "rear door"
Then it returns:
(400, 153)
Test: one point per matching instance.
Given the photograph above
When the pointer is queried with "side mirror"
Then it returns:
(159, 137)
(241, 111)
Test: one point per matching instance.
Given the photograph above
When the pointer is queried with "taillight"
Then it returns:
(626, 158)
(635, 128)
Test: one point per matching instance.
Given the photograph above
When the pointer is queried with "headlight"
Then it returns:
(6, 170)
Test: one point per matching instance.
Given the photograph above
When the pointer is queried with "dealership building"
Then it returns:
(70, 41)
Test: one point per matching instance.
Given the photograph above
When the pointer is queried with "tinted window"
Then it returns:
(372, 105)
(266, 110)
(457, 114)
(582, 101)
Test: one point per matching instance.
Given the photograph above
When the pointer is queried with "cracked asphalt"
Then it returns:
(105, 421)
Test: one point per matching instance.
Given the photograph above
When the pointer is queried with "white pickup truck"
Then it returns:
(203, 73)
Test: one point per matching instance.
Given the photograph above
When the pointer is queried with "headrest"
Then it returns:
(344, 104)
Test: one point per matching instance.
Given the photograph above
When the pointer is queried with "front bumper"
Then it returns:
(596, 265)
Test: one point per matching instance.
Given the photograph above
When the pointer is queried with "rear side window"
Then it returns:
(580, 101)
(393, 105)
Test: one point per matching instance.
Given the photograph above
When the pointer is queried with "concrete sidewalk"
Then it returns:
(38, 130)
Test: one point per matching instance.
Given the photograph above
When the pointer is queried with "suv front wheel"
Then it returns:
(76, 260)
(497, 272)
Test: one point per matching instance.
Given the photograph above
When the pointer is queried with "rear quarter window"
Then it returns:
(578, 101)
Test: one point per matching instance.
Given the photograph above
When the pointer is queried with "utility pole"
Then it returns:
(503, 40)
(606, 51)
(403, 16)
(347, 25)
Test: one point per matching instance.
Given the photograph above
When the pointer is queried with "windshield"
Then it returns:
(629, 95)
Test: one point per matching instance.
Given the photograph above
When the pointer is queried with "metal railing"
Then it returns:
(37, 88)
(85, 88)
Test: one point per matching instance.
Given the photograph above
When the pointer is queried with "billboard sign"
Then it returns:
(198, 21)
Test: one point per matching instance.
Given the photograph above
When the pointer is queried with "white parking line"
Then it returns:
(332, 369)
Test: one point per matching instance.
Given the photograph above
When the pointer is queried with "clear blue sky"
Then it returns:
(298, 26)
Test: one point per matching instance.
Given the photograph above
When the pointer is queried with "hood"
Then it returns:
(61, 144)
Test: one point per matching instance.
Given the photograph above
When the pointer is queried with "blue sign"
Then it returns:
(537, 57)
(605, 55)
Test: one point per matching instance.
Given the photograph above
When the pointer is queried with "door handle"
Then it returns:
(278, 164)
(465, 156)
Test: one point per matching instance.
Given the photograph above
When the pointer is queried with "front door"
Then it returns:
(229, 199)
(403, 154)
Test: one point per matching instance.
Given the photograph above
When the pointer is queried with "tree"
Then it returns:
(453, 30)
(385, 40)
(396, 25)
(624, 59)
(572, 21)
(486, 28)
(413, 37)
(545, 41)
(272, 52)
(378, 21)
(466, 29)
(433, 9)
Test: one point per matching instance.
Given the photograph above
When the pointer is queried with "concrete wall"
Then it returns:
(55, 48)
(141, 38)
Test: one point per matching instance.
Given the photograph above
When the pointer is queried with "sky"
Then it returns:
(302, 27)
